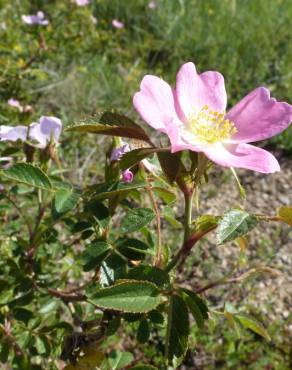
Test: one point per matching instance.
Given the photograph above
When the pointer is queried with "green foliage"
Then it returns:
(112, 124)
(196, 306)
(129, 296)
(285, 214)
(65, 200)
(135, 219)
(135, 156)
(177, 330)
(234, 224)
(29, 175)
(118, 360)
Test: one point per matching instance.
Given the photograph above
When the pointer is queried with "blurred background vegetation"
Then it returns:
(80, 64)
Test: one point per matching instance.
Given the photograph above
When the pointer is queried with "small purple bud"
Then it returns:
(117, 153)
(127, 176)
(15, 104)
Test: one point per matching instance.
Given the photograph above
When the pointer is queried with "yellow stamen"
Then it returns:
(209, 127)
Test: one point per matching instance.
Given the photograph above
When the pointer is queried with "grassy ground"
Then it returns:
(76, 66)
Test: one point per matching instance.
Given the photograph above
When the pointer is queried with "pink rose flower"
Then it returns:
(117, 24)
(193, 116)
(38, 18)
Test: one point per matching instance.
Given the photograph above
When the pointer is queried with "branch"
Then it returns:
(158, 225)
(67, 297)
(186, 248)
(245, 275)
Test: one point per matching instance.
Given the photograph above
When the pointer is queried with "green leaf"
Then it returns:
(94, 254)
(196, 306)
(254, 325)
(65, 200)
(108, 190)
(285, 214)
(205, 223)
(99, 211)
(177, 330)
(143, 332)
(129, 296)
(232, 322)
(150, 273)
(135, 156)
(28, 174)
(135, 219)
(113, 326)
(169, 215)
(22, 314)
(234, 223)
(118, 360)
(166, 195)
(143, 367)
(170, 164)
(133, 249)
(4, 350)
(42, 344)
(112, 124)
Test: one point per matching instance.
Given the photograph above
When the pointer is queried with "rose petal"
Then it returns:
(258, 117)
(10, 133)
(243, 156)
(47, 128)
(194, 90)
(177, 140)
(155, 103)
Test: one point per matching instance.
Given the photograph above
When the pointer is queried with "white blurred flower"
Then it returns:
(152, 5)
(40, 132)
(38, 18)
(117, 24)
(13, 133)
(82, 2)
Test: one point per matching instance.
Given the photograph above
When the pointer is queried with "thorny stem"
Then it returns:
(158, 225)
(188, 215)
(188, 195)
(67, 297)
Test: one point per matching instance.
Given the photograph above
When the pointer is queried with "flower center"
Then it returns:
(209, 127)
